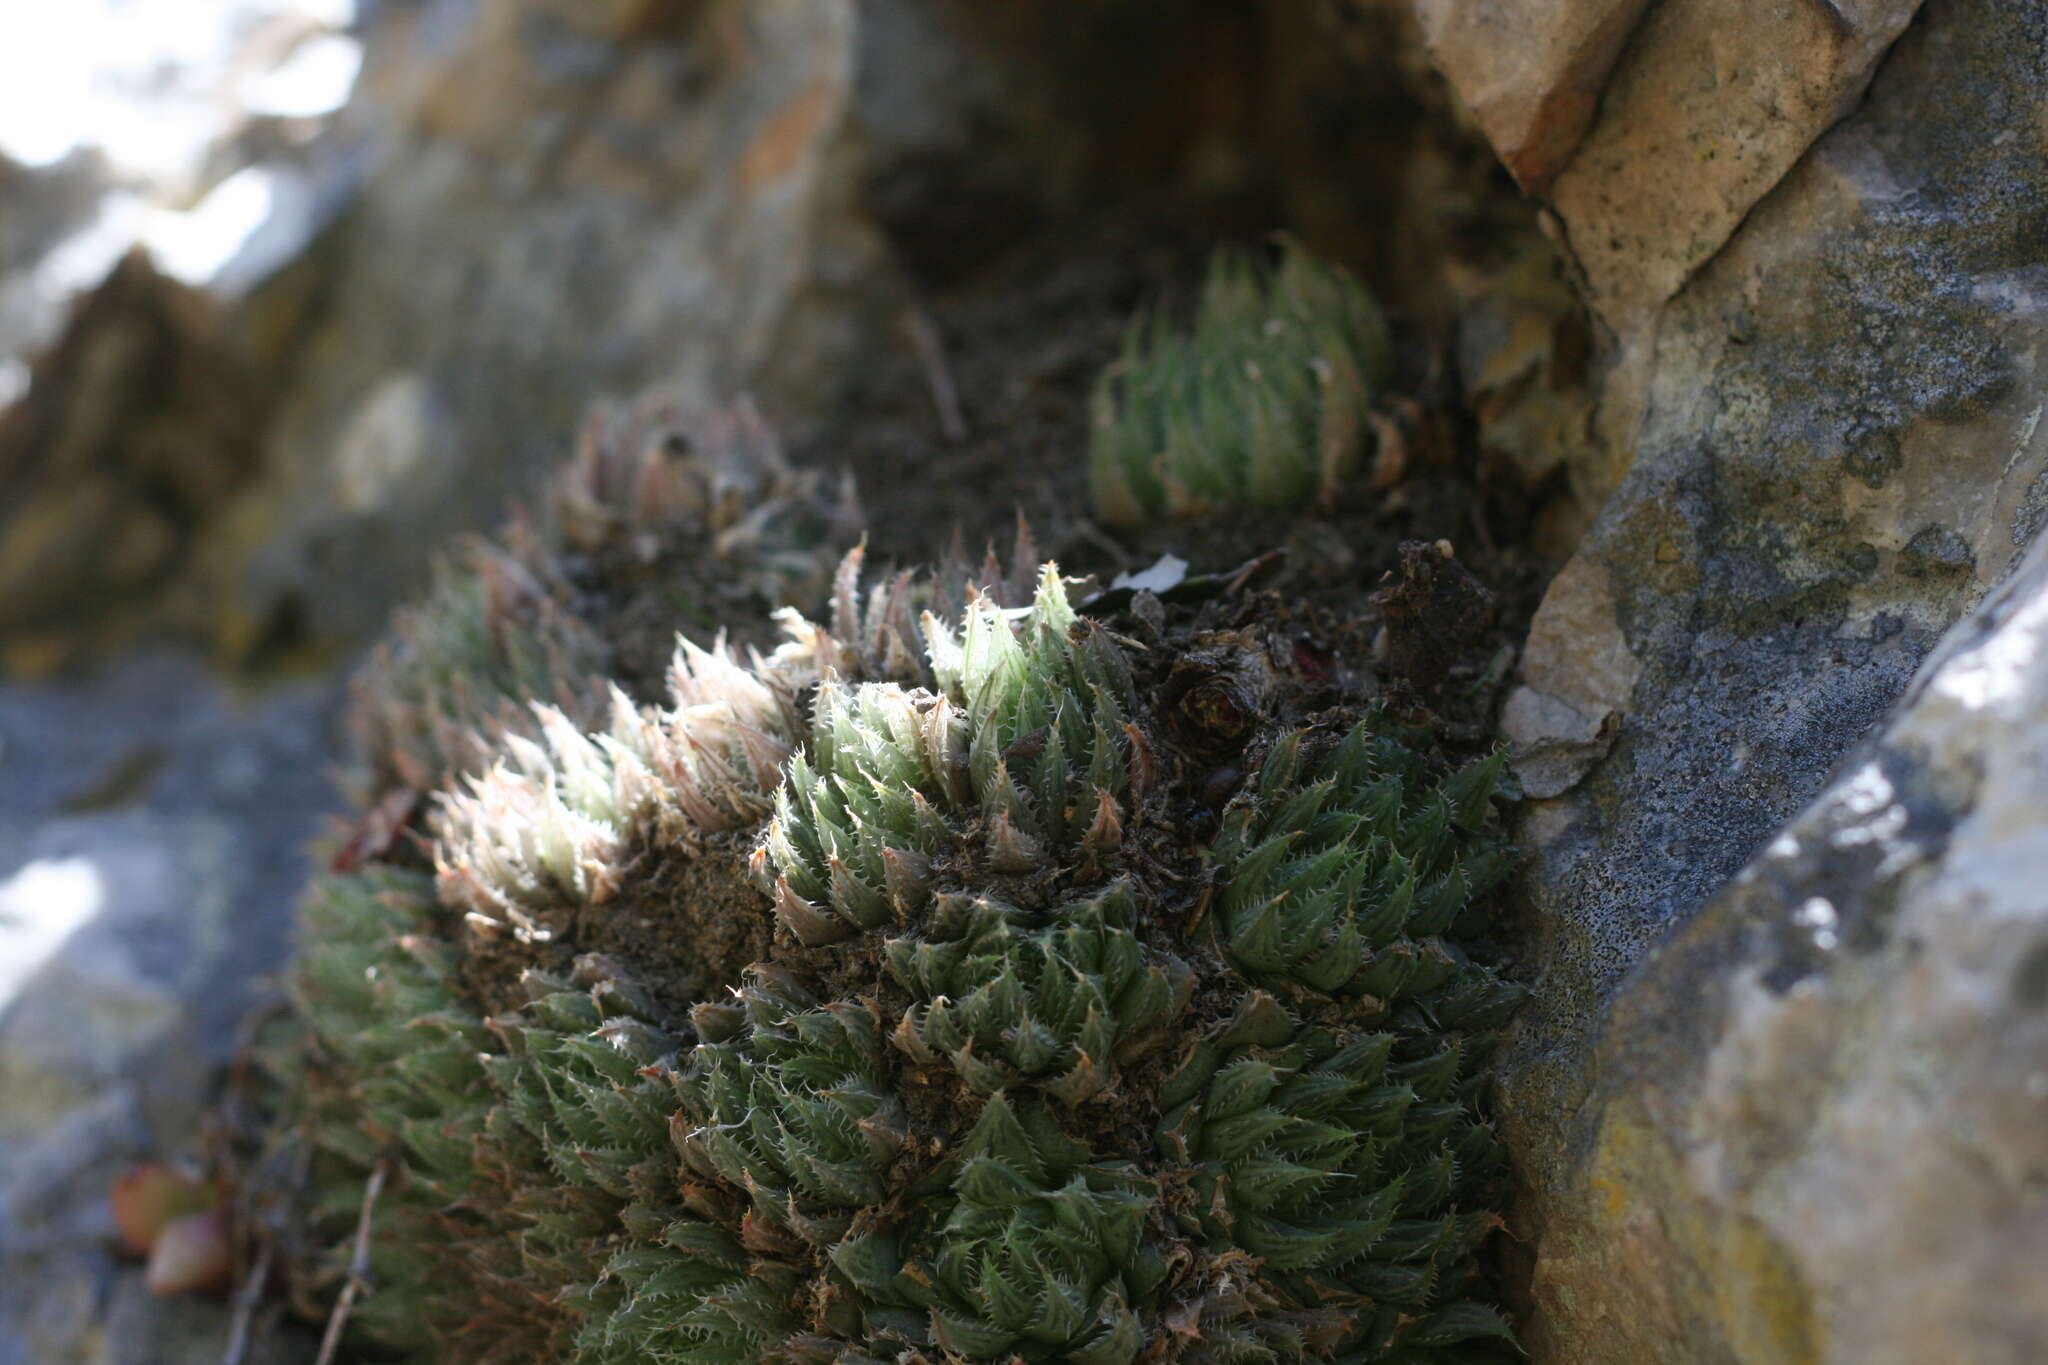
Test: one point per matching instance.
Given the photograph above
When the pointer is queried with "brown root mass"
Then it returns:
(684, 927)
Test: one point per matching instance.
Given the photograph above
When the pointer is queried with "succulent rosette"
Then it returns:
(1264, 401)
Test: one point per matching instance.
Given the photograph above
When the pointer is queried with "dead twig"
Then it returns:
(275, 1213)
(1118, 552)
(246, 1299)
(358, 1268)
(931, 353)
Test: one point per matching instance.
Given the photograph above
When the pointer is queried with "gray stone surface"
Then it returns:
(164, 822)
(1819, 1119)
(1842, 453)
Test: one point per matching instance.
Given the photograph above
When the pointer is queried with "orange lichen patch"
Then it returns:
(787, 134)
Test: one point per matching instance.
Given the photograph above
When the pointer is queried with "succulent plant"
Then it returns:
(875, 999)
(1343, 878)
(1264, 403)
(488, 639)
(685, 516)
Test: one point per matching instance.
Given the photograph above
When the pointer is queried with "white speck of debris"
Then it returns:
(1163, 576)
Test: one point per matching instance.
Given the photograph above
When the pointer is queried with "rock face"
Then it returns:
(1530, 73)
(1840, 455)
(1702, 108)
(1819, 1129)
(150, 837)
(1708, 108)
(139, 428)
(555, 201)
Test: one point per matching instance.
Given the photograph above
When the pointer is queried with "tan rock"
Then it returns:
(1522, 353)
(1713, 102)
(138, 425)
(1531, 73)
(1651, 132)
(1576, 675)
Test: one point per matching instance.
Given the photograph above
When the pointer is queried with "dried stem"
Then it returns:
(931, 353)
(265, 1232)
(246, 1299)
(358, 1268)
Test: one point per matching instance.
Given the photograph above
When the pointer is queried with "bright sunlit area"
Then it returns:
(168, 124)
(41, 904)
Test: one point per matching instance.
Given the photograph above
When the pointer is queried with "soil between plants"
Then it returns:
(1023, 342)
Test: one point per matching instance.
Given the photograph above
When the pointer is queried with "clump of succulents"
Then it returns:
(490, 636)
(997, 1057)
(963, 975)
(531, 617)
(1264, 402)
